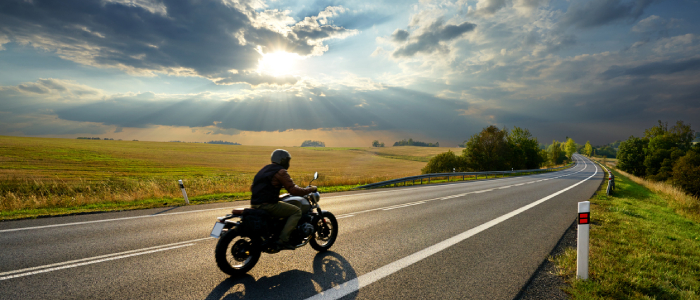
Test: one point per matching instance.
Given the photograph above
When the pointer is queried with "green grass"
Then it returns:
(640, 248)
(141, 204)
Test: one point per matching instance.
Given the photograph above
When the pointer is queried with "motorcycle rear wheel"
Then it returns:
(236, 254)
(325, 235)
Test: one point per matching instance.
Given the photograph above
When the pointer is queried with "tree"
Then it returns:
(444, 163)
(570, 148)
(630, 157)
(686, 172)
(487, 150)
(411, 142)
(524, 150)
(555, 153)
(376, 143)
(587, 149)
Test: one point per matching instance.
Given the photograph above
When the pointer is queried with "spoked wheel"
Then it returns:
(326, 232)
(235, 254)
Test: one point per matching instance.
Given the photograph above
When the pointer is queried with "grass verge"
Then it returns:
(138, 204)
(640, 248)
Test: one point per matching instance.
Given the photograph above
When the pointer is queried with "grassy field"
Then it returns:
(41, 176)
(644, 244)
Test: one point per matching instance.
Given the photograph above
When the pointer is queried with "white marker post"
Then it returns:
(184, 193)
(584, 217)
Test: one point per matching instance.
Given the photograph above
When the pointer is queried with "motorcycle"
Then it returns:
(246, 233)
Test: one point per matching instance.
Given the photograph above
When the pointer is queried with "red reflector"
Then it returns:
(583, 215)
(583, 221)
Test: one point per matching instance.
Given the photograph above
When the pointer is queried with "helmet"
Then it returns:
(281, 157)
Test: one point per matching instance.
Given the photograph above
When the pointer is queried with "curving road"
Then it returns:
(476, 240)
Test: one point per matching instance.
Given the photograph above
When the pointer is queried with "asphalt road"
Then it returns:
(469, 240)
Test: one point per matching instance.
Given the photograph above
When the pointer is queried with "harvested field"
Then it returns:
(45, 172)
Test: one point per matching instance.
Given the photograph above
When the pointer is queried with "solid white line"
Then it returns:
(90, 262)
(371, 277)
(101, 256)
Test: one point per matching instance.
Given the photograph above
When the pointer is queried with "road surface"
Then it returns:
(468, 240)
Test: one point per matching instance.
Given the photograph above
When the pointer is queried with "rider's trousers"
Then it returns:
(283, 210)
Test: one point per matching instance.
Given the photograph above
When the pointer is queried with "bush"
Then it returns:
(686, 173)
(631, 156)
(444, 163)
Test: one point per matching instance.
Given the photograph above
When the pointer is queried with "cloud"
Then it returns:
(489, 7)
(399, 35)
(655, 24)
(594, 13)
(310, 108)
(218, 40)
(655, 68)
(431, 38)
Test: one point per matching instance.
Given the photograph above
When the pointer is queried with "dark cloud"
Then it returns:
(655, 68)
(399, 35)
(594, 13)
(432, 37)
(391, 109)
(207, 38)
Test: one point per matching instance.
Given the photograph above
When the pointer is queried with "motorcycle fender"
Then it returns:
(317, 217)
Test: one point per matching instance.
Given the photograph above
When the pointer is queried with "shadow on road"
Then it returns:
(330, 269)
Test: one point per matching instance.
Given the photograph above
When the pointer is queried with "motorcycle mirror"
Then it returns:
(315, 175)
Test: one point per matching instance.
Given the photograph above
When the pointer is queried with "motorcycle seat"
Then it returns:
(249, 211)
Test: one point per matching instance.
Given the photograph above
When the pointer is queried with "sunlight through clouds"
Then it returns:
(279, 64)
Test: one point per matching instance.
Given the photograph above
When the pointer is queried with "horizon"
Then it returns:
(346, 72)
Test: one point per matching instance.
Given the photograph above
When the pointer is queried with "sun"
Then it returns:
(279, 63)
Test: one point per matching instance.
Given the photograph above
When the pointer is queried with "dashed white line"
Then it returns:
(91, 262)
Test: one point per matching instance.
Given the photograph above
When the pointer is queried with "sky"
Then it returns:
(279, 72)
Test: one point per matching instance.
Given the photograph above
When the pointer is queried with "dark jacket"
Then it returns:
(268, 183)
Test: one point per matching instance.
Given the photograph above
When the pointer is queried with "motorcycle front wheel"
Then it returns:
(236, 254)
(326, 232)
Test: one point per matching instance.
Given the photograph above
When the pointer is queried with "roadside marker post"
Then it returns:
(184, 193)
(584, 220)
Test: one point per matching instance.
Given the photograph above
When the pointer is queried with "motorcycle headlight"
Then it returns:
(315, 196)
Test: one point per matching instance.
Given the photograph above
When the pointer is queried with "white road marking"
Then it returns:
(201, 210)
(441, 198)
(91, 262)
(374, 276)
(108, 257)
(99, 257)
(111, 220)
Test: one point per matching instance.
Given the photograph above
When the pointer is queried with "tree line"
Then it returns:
(411, 142)
(495, 149)
(664, 154)
(310, 143)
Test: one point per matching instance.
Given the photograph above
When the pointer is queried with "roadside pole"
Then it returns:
(584, 217)
(184, 193)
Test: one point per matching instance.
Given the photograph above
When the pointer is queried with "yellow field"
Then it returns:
(42, 172)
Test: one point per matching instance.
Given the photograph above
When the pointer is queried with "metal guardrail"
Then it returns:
(611, 180)
(413, 179)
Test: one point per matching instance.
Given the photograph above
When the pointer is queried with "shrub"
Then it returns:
(444, 163)
(686, 173)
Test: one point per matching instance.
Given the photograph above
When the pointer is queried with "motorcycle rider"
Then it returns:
(266, 190)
